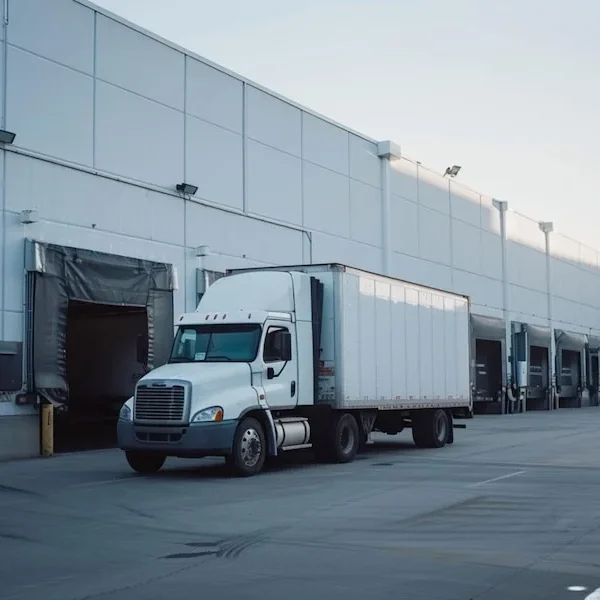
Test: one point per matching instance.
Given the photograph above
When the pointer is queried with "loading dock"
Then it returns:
(538, 391)
(593, 371)
(570, 357)
(489, 370)
(95, 323)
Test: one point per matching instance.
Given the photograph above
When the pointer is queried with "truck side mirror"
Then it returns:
(142, 349)
(270, 373)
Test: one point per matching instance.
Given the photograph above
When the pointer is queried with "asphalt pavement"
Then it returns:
(511, 510)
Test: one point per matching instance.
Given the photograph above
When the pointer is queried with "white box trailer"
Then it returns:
(303, 356)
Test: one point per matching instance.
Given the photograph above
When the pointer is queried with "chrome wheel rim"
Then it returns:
(251, 447)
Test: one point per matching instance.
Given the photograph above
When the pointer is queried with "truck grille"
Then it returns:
(159, 404)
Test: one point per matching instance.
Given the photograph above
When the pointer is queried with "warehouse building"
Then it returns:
(105, 238)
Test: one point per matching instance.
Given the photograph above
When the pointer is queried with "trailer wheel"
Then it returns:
(345, 438)
(431, 429)
(249, 450)
(145, 462)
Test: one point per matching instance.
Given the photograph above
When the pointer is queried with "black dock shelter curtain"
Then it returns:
(62, 274)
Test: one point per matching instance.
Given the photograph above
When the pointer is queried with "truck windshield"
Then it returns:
(216, 343)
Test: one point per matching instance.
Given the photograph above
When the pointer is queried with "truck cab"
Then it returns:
(234, 362)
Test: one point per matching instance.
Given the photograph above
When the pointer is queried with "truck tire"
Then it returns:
(249, 450)
(344, 438)
(431, 429)
(145, 462)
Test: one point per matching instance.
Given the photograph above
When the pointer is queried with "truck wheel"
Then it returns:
(145, 462)
(249, 448)
(345, 438)
(431, 429)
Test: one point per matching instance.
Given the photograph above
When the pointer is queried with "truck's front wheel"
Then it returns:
(145, 462)
(249, 449)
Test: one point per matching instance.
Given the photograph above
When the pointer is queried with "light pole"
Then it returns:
(502, 207)
(547, 227)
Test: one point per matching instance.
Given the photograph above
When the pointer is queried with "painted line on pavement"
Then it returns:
(498, 479)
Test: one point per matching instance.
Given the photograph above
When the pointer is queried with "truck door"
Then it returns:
(280, 376)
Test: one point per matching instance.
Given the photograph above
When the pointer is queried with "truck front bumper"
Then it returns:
(191, 441)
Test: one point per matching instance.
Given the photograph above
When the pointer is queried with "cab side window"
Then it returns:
(272, 351)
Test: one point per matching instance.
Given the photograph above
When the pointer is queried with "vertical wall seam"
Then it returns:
(4, 125)
(94, 89)
(244, 148)
(185, 200)
(302, 207)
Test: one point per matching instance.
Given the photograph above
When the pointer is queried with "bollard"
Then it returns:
(47, 429)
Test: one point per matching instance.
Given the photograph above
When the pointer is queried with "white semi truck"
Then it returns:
(319, 356)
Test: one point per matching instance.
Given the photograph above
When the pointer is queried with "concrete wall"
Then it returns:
(109, 120)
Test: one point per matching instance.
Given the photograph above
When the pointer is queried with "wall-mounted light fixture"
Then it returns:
(27, 217)
(187, 188)
(7, 137)
(452, 171)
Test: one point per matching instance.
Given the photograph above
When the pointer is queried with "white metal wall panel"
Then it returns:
(482, 290)
(426, 345)
(403, 179)
(365, 165)
(93, 203)
(274, 183)
(365, 213)
(564, 247)
(383, 340)
(59, 30)
(434, 232)
(433, 191)
(528, 302)
(214, 96)
(565, 279)
(399, 346)
(273, 122)
(50, 106)
(236, 235)
(404, 226)
(325, 144)
(131, 60)
(421, 271)
(13, 326)
(328, 249)
(490, 219)
(138, 138)
(526, 267)
(465, 204)
(326, 200)
(491, 254)
(466, 247)
(589, 259)
(214, 162)
(523, 230)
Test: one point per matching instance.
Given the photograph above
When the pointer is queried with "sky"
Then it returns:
(509, 90)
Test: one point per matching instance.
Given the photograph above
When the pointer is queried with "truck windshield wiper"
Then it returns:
(216, 357)
(179, 360)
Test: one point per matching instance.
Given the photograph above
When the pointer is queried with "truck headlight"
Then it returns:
(125, 413)
(214, 413)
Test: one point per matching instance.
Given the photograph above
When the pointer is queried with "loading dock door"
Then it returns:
(487, 339)
(593, 369)
(570, 348)
(59, 274)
